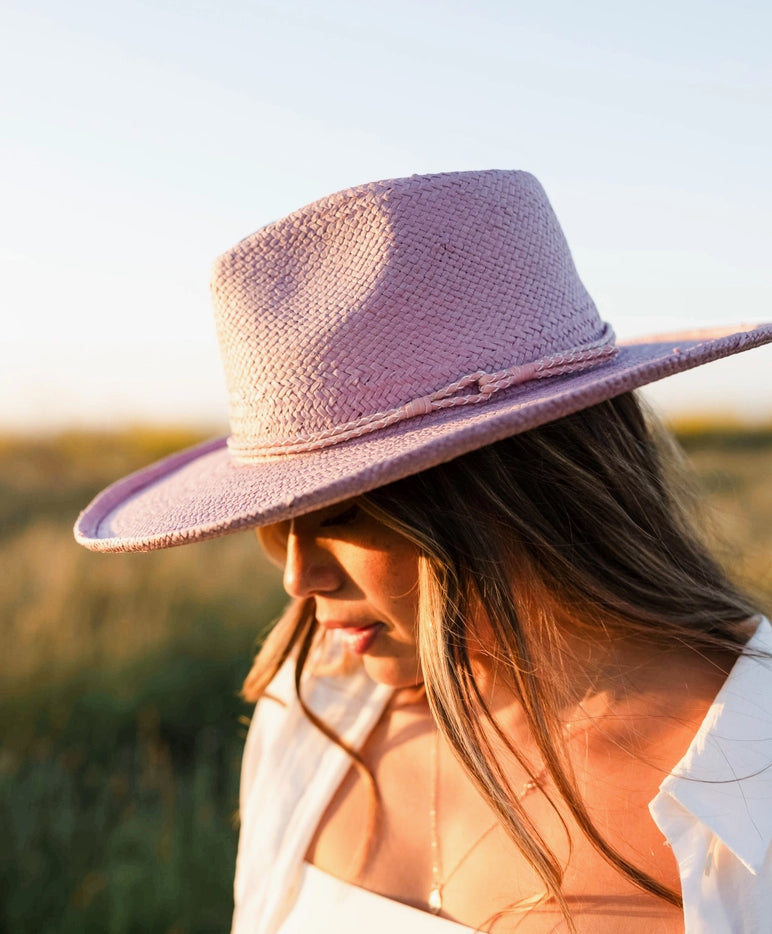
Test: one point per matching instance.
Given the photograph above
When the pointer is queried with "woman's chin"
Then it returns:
(392, 672)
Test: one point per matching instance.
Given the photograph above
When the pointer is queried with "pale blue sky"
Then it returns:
(141, 139)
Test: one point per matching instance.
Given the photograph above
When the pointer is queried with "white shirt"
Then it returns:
(326, 905)
(715, 809)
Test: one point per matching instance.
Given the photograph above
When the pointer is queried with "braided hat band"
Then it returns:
(378, 332)
(486, 384)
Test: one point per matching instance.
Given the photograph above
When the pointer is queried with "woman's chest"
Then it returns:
(424, 834)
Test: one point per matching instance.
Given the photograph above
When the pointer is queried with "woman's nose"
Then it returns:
(308, 569)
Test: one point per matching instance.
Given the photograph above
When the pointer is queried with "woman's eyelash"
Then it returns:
(341, 518)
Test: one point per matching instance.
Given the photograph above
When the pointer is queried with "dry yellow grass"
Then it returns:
(64, 609)
(737, 484)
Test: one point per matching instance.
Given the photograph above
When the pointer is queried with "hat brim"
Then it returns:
(202, 493)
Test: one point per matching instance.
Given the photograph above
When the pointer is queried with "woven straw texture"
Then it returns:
(378, 332)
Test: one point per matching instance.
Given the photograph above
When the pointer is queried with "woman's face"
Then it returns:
(363, 577)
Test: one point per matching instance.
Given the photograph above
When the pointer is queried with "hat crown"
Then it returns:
(382, 294)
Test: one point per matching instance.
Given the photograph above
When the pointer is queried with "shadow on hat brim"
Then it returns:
(201, 493)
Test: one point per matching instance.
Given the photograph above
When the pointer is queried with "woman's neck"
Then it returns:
(621, 689)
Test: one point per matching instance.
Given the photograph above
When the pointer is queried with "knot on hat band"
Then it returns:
(460, 392)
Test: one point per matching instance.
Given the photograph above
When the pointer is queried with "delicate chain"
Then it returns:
(438, 881)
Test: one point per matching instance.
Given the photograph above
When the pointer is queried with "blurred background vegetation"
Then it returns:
(121, 725)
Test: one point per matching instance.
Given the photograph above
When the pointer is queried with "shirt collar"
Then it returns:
(725, 778)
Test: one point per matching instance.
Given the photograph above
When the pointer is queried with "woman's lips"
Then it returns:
(357, 639)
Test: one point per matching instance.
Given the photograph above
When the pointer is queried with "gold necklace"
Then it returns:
(438, 882)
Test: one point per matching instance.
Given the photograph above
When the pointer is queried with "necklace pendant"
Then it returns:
(435, 900)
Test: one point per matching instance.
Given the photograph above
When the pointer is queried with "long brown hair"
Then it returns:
(582, 513)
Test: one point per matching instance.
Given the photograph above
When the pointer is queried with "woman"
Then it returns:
(513, 691)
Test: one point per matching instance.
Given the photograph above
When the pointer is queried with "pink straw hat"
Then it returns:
(381, 331)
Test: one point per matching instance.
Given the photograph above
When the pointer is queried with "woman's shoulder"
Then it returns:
(345, 699)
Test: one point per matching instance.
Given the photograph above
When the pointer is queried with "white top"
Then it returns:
(715, 809)
(326, 905)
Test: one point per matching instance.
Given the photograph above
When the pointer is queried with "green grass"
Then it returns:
(121, 724)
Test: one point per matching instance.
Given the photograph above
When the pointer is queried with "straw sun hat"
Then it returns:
(381, 331)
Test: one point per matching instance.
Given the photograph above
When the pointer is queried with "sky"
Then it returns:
(142, 139)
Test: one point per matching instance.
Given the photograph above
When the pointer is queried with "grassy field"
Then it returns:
(121, 724)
